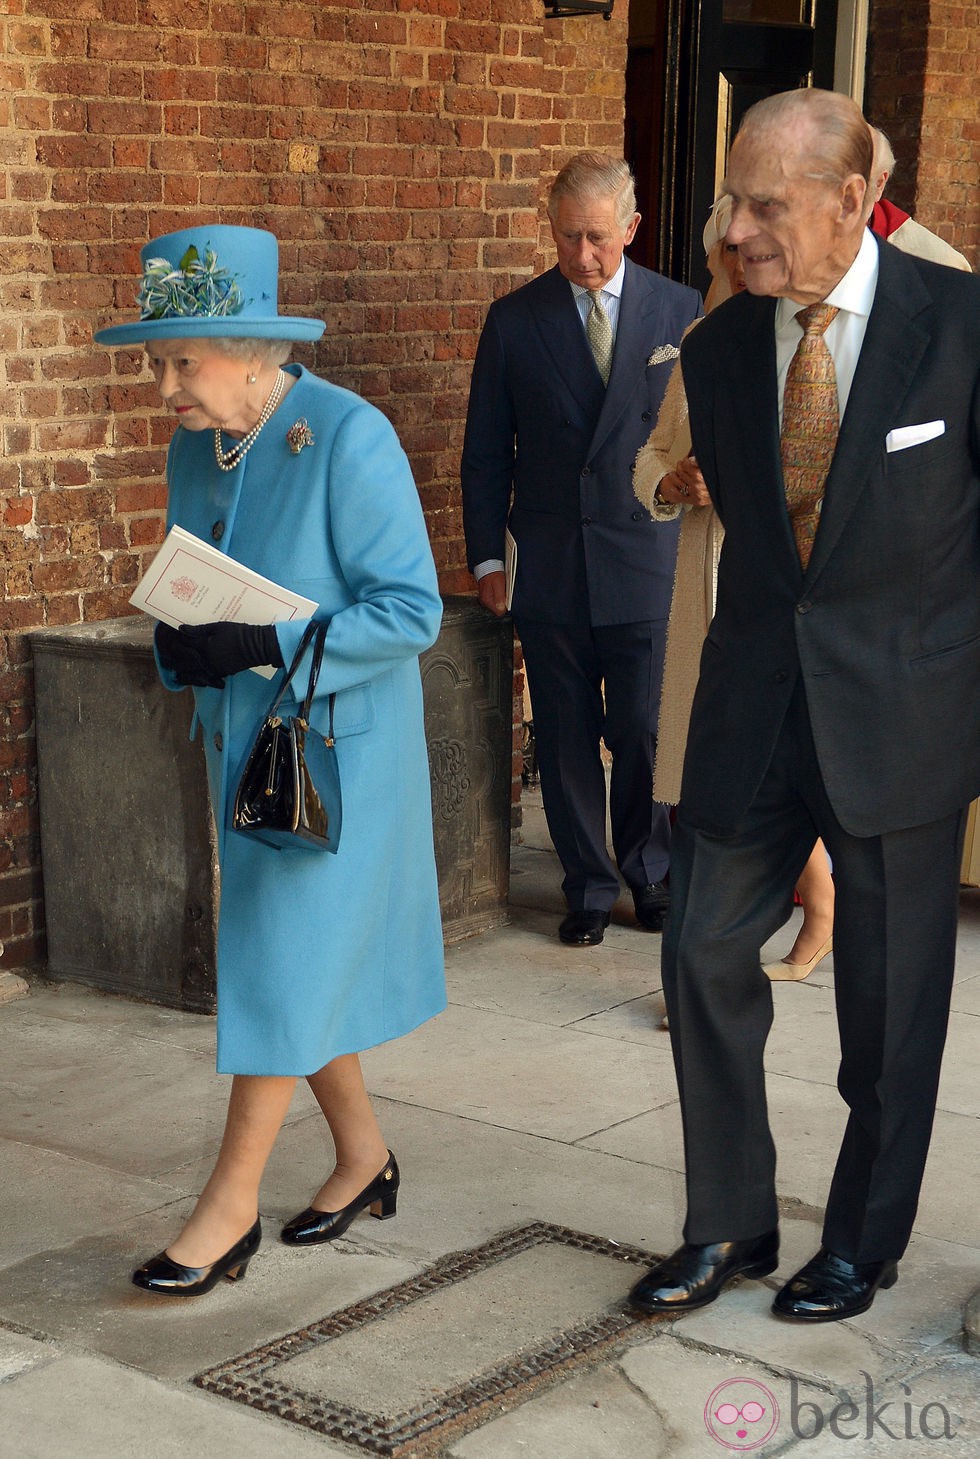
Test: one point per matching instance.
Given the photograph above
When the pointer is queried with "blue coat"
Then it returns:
(321, 955)
(550, 450)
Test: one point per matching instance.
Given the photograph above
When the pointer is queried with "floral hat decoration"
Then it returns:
(209, 282)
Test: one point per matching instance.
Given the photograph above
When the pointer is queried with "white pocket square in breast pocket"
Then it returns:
(904, 436)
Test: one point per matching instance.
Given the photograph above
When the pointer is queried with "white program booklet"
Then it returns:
(189, 581)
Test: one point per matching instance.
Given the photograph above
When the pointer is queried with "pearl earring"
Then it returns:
(252, 379)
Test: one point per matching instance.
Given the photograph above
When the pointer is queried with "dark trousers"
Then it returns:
(588, 684)
(894, 947)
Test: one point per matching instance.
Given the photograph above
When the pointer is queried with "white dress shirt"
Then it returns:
(853, 296)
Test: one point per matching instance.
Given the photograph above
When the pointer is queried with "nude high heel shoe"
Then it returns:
(787, 972)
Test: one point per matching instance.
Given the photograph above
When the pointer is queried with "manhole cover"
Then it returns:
(477, 1332)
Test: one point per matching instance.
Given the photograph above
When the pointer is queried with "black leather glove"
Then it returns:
(181, 658)
(206, 653)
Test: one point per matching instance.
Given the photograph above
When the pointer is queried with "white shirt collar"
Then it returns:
(614, 286)
(855, 293)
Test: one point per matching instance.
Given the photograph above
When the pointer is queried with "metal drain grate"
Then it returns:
(441, 1416)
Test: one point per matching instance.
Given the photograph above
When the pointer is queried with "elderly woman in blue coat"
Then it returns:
(319, 956)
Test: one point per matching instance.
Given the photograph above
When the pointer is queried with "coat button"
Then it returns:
(638, 516)
(780, 676)
(645, 415)
(586, 470)
(218, 531)
(219, 743)
(804, 607)
(586, 521)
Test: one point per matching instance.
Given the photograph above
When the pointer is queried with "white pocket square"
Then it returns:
(905, 436)
(663, 353)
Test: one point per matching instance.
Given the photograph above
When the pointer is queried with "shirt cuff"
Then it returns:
(492, 564)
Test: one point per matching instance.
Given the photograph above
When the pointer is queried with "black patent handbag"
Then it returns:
(289, 792)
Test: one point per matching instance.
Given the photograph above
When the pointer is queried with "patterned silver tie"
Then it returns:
(600, 335)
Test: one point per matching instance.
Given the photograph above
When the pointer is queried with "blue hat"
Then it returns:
(203, 283)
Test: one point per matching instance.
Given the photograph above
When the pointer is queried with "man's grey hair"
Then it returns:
(884, 157)
(839, 140)
(590, 177)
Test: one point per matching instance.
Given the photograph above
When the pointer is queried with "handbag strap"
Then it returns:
(314, 630)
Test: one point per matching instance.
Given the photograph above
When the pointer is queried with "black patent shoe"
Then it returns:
(583, 929)
(311, 1227)
(171, 1279)
(829, 1288)
(694, 1275)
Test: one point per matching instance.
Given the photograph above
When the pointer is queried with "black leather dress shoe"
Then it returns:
(651, 905)
(169, 1278)
(694, 1275)
(312, 1227)
(829, 1288)
(583, 929)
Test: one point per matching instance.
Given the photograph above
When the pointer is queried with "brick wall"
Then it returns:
(398, 148)
(923, 63)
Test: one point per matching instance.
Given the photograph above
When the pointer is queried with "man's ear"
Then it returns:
(634, 223)
(852, 197)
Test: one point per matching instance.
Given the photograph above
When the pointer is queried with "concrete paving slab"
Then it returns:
(60, 1084)
(94, 1008)
(463, 1182)
(655, 1136)
(598, 1414)
(60, 1089)
(930, 1410)
(966, 996)
(531, 1077)
(524, 971)
(827, 1354)
(82, 1295)
(47, 1198)
(959, 1087)
(97, 1410)
(19, 1353)
(686, 1386)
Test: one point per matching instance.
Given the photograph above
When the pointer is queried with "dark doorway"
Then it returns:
(693, 69)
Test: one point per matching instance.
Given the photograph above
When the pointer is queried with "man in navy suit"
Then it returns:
(567, 381)
(839, 697)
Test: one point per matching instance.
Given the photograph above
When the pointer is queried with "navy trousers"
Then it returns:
(591, 684)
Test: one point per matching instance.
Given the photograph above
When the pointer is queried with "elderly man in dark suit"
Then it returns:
(568, 376)
(835, 414)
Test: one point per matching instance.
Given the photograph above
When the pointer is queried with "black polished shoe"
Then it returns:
(694, 1275)
(170, 1278)
(584, 929)
(652, 904)
(829, 1288)
(311, 1227)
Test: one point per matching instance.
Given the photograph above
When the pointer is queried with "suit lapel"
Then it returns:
(560, 327)
(894, 344)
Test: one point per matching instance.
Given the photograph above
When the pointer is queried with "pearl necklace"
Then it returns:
(228, 460)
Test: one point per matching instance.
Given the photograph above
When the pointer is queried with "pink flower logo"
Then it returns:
(741, 1414)
(183, 589)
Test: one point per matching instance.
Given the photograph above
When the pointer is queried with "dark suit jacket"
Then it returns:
(547, 446)
(884, 626)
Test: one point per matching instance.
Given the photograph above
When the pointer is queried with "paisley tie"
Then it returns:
(810, 425)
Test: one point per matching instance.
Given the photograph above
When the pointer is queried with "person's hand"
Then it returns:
(204, 654)
(690, 483)
(492, 590)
